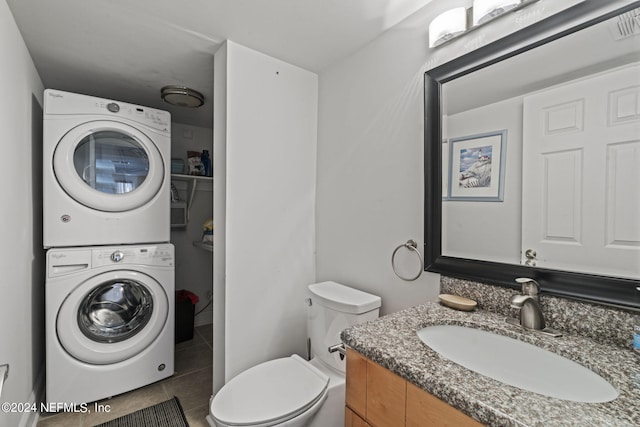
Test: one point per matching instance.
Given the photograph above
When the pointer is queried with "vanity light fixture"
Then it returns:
(486, 10)
(458, 21)
(447, 26)
(181, 96)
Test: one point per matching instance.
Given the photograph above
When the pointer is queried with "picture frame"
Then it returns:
(445, 170)
(476, 167)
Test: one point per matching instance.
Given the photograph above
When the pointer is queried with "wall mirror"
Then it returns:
(532, 159)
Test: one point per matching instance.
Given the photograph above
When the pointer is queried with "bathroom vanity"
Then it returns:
(394, 379)
(375, 396)
(537, 231)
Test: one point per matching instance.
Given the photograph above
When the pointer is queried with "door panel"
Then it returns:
(581, 174)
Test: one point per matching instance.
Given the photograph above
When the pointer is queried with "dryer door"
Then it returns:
(112, 317)
(108, 166)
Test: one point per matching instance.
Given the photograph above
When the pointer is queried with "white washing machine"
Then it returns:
(109, 320)
(106, 172)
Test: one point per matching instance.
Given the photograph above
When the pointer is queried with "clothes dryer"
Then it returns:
(106, 172)
(109, 320)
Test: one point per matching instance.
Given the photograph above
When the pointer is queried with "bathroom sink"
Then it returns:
(517, 363)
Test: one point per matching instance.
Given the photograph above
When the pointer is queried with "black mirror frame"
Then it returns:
(611, 291)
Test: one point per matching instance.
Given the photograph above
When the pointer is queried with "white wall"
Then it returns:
(219, 214)
(462, 235)
(370, 150)
(21, 253)
(189, 138)
(269, 202)
(194, 270)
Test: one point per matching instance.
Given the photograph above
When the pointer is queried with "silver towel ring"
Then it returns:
(412, 246)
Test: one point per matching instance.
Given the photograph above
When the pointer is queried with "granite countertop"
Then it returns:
(392, 342)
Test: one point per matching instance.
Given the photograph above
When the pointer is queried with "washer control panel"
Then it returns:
(65, 261)
(156, 255)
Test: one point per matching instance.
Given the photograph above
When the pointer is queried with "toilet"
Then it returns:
(291, 391)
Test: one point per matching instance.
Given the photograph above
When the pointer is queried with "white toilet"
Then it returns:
(292, 392)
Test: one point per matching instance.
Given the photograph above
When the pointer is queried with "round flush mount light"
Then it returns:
(181, 96)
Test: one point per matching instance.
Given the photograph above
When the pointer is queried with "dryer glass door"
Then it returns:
(111, 162)
(109, 166)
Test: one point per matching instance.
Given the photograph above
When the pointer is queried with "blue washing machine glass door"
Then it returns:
(108, 166)
(112, 316)
(115, 311)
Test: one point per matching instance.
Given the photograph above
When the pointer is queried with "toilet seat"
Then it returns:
(270, 393)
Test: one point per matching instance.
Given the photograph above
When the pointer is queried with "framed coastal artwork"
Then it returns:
(476, 167)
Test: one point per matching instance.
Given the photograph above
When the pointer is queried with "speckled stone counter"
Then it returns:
(392, 342)
(606, 325)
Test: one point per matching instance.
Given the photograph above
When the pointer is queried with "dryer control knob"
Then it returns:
(113, 107)
(117, 256)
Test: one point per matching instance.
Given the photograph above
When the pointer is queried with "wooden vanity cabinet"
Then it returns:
(351, 419)
(376, 397)
(356, 382)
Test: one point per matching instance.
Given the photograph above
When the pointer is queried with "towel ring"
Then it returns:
(412, 246)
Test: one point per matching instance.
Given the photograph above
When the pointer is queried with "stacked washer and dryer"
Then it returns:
(109, 291)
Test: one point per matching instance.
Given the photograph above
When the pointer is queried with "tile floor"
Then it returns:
(191, 383)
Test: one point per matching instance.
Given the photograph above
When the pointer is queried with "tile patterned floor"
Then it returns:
(191, 383)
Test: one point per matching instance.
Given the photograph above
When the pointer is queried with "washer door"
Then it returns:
(112, 317)
(108, 166)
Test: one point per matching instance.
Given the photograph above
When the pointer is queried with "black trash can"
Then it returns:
(184, 315)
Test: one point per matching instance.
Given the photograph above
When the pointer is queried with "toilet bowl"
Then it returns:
(291, 391)
(279, 392)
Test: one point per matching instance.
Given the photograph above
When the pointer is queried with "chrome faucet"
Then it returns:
(528, 303)
(531, 316)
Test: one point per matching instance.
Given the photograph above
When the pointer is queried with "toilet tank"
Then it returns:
(332, 308)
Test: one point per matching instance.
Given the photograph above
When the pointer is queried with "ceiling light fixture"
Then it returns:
(181, 96)
(458, 21)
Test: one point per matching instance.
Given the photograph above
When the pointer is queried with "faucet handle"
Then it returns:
(529, 286)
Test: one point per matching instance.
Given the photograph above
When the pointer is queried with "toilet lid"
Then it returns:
(269, 393)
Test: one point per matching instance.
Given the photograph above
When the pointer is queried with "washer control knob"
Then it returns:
(117, 256)
(113, 107)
